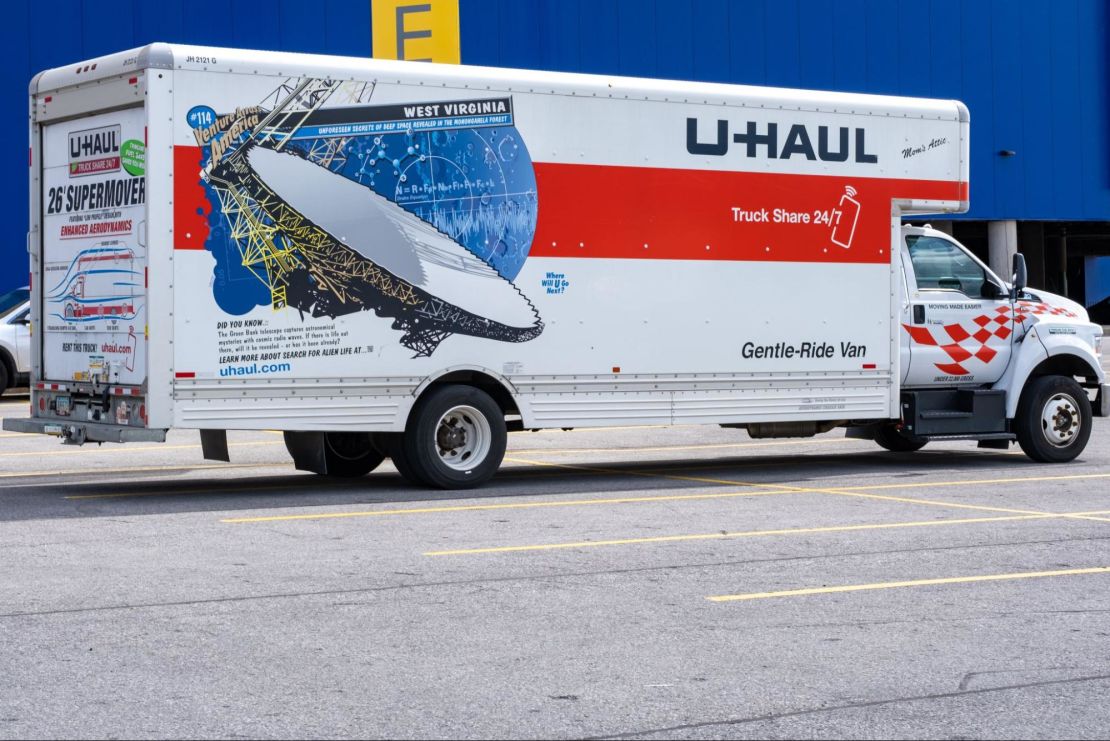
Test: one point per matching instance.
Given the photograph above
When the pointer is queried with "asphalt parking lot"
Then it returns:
(655, 582)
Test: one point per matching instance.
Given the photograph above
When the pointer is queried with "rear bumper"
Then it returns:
(82, 432)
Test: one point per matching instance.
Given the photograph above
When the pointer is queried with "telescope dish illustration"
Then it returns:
(382, 232)
(323, 242)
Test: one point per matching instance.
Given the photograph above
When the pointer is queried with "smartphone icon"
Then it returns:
(847, 215)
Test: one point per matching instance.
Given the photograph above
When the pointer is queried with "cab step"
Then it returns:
(954, 414)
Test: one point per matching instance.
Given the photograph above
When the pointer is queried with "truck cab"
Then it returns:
(989, 359)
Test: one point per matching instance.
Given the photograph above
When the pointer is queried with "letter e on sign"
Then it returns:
(416, 30)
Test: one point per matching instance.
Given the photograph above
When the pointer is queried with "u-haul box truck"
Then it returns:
(391, 259)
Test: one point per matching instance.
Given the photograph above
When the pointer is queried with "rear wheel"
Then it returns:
(1053, 420)
(351, 454)
(896, 441)
(455, 440)
(393, 443)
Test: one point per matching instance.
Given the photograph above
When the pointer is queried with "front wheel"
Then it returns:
(455, 440)
(896, 441)
(1053, 420)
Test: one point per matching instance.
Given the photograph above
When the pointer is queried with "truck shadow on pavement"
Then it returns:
(159, 494)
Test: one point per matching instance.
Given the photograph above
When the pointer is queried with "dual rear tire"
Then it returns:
(455, 439)
(340, 454)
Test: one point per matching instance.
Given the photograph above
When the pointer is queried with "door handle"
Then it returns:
(919, 313)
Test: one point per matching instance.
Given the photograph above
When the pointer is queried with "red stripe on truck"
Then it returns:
(654, 213)
(190, 204)
(608, 211)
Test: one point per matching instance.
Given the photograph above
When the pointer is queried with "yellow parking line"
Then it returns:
(502, 505)
(912, 583)
(952, 505)
(126, 449)
(755, 489)
(292, 484)
(745, 534)
(132, 469)
(1015, 480)
(859, 492)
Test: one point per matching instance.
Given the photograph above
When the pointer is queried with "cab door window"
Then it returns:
(940, 265)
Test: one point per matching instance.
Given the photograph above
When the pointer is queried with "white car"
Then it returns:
(15, 338)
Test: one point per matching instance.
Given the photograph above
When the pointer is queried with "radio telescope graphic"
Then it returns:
(426, 228)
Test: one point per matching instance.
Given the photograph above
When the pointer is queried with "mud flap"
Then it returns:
(861, 432)
(307, 449)
(213, 445)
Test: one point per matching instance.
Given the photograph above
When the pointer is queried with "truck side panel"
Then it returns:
(613, 260)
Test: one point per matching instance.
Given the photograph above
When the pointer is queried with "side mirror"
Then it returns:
(1021, 276)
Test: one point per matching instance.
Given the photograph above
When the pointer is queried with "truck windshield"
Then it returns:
(13, 299)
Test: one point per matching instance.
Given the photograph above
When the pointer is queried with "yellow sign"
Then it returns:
(416, 30)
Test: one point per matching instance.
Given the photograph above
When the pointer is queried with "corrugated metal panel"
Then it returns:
(1034, 74)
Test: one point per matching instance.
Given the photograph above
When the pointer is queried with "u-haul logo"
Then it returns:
(94, 151)
(833, 145)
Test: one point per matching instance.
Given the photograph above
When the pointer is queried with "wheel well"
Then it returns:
(1065, 365)
(487, 383)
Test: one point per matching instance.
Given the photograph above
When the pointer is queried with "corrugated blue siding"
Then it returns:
(1034, 74)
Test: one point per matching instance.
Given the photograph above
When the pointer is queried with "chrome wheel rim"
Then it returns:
(1061, 420)
(463, 437)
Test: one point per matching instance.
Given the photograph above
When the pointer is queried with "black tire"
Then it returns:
(896, 441)
(345, 455)
(350, 454)
(392, 443)
(4, 379)
(1053, 420)
(455, 439)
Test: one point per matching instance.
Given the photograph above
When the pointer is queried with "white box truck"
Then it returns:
(405, 260)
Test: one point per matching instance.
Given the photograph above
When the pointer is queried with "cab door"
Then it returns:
(957, 323)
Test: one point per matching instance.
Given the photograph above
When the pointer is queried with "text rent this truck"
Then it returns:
(405, 260)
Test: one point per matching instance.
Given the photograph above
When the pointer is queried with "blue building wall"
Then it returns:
(1034, 73)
